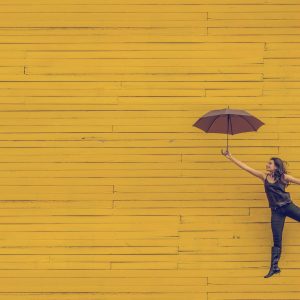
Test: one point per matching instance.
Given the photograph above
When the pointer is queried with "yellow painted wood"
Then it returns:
(107, 190)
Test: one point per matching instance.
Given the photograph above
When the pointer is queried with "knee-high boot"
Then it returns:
(275, 256)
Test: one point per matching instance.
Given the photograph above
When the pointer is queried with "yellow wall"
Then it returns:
(107, 191)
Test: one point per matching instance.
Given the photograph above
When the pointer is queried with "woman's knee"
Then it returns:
(277, 240)
(278, 244)
(293, 211)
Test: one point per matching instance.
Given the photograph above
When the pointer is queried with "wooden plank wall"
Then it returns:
(107, 191)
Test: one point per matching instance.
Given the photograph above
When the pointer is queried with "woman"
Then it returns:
(280, 203)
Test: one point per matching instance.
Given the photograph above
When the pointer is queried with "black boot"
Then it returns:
(274, 269)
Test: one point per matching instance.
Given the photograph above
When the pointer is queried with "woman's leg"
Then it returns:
(277, 224)
(292, 211)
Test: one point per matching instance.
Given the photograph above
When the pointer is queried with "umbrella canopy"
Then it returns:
(229, 121)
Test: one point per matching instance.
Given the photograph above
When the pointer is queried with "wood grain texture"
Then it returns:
(107, 191)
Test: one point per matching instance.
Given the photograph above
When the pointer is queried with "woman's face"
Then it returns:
(270, 166)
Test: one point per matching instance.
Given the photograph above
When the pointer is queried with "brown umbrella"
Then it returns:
(230, 121)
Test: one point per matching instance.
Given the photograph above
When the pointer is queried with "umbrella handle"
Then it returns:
(224, 152)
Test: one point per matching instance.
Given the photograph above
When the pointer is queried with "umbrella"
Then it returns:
(230, 121)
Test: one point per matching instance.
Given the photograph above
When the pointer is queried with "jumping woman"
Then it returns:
(275, 181)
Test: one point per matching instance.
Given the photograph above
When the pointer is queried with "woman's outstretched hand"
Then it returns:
(226, 153)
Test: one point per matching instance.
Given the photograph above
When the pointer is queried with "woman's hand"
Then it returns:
(226, 153)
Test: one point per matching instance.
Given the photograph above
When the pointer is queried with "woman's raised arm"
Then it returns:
(243, 166)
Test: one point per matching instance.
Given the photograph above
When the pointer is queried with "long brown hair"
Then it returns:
(281, 168)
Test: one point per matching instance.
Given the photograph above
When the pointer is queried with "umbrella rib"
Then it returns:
(212, 123)
(248, 122)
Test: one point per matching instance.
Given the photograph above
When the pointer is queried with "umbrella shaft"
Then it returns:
(227, 130)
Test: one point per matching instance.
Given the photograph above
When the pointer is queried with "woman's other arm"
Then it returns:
(291, 179)
(245, 167)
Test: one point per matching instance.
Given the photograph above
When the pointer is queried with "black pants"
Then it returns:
(278, 218)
